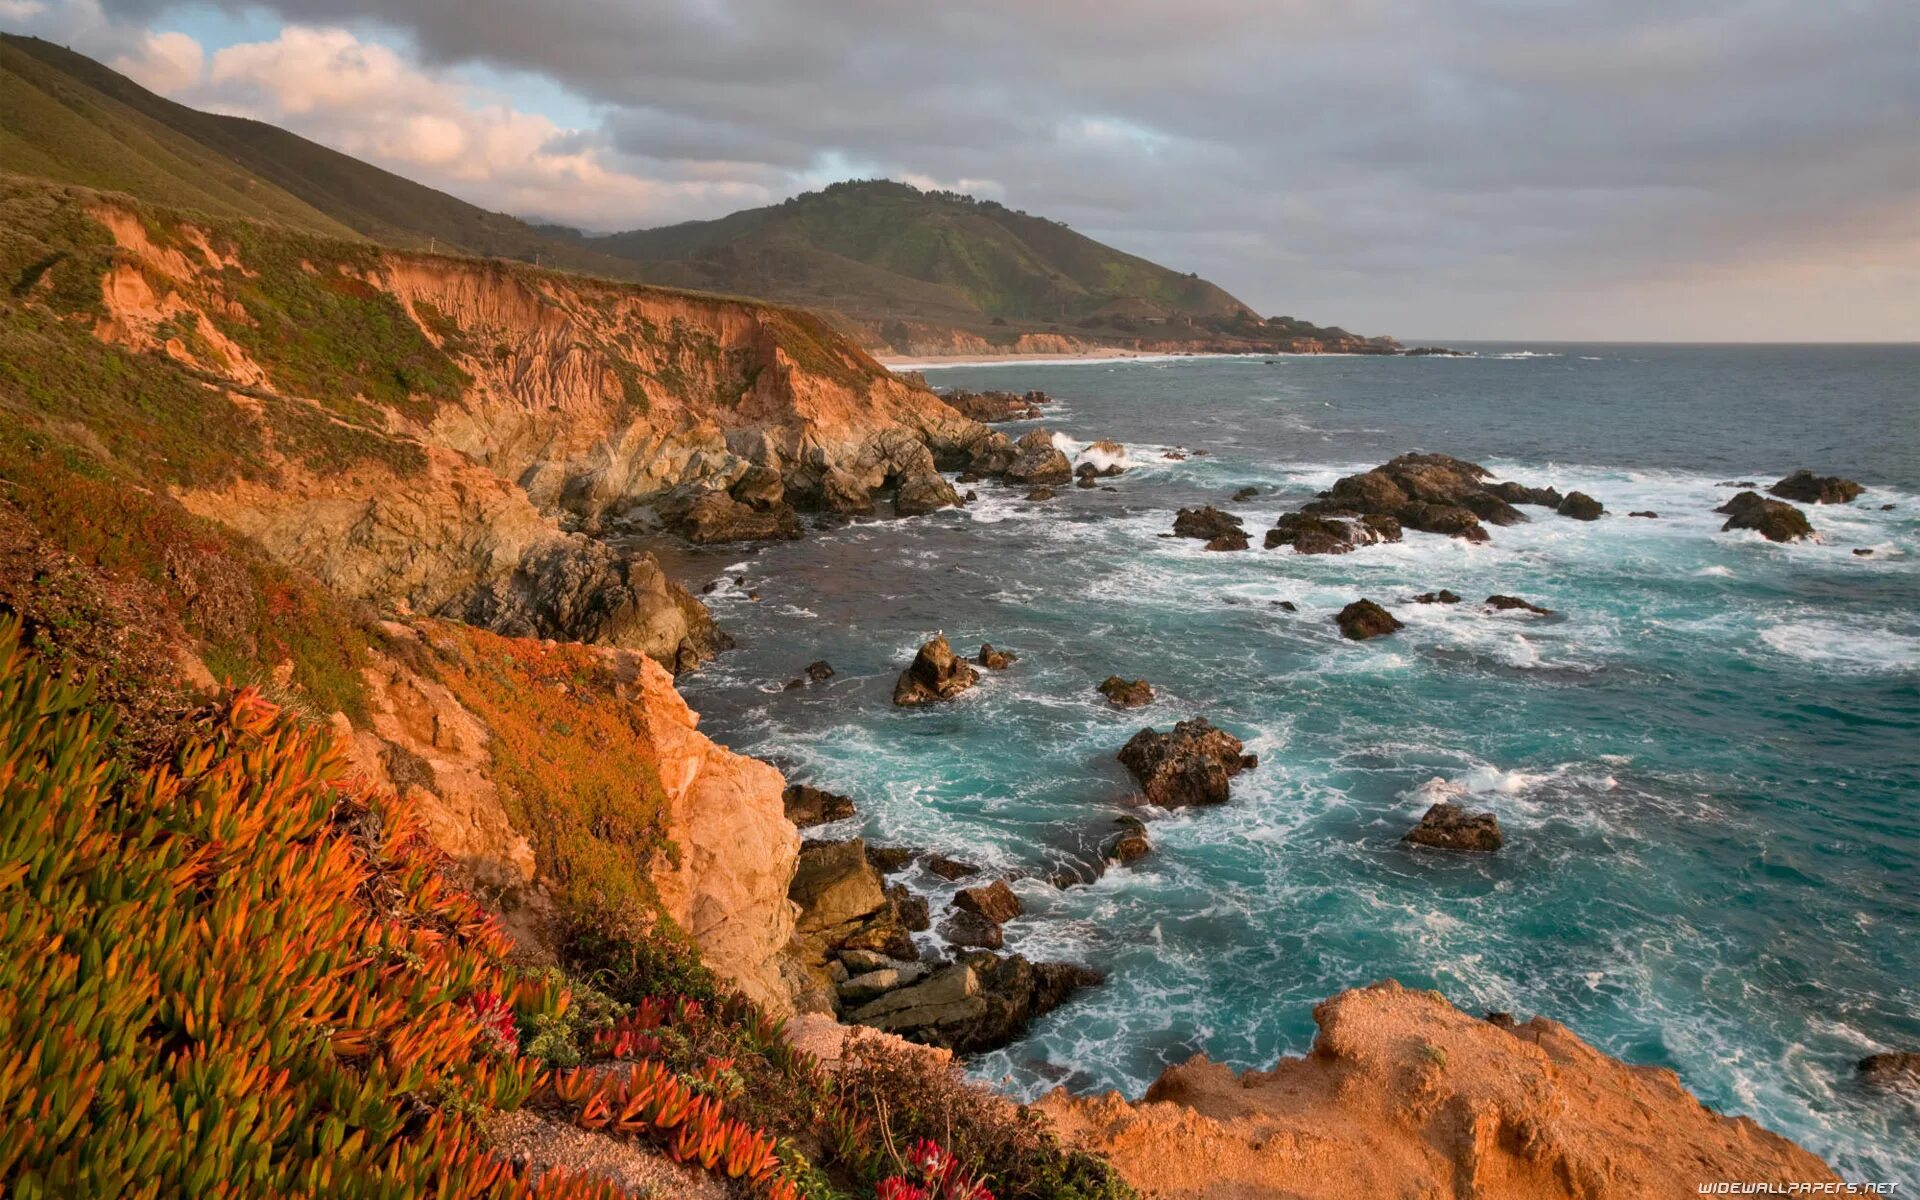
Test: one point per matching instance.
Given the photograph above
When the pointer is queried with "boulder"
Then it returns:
(1775, 520)
(923, 492)
(934, 675)
(1364, 619)
(1086, 481)
(1581, 507)
(814, 806)
(1309, 533)
(888, 859)
(820, 670)
(717, 517)
(1520, 493)
(759, 488)
(1449, 827)
(1806, 487)
(910, 910)
(1228, 541)
(1194, 764)
(1128, 844)
(1245, 494)
(1443, 596)
(994, 901)
(835, 886)
(996, 660)
(1205, 524)
(1506, 603)
(1125, 693)
(859, 989)
(841, 491)
(1648, 513)
(1040, 493)
(971, 929)
(883, 934)
(1285, 605)
(951, 997)
(948, 869)
(1037, 460)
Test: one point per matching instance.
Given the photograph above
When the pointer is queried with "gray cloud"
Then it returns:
(1460, 167)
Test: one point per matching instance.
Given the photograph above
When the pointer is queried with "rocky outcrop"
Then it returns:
(994, 901)
(1433, 493)
(1807, 488)
(995, 660)
(1890, 1070)
(1125, 693)
(934, 675)
(1405, 1095)
(1443, 596)
(1038, 461)
(1130, 843)
(715, 516)
(1775, 520)
(1364, 619)
(1447, 826)
(1581, 507)
(1194, 764)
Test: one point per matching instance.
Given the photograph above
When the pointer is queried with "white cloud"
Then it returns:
(165, 62)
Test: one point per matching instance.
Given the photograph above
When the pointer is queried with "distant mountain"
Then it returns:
(903, 269)
(68, 118)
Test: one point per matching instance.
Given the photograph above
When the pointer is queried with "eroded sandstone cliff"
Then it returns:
(1405, 1095)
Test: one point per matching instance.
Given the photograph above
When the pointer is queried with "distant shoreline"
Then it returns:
(903, 362)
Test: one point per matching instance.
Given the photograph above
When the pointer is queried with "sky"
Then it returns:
(1680, 170)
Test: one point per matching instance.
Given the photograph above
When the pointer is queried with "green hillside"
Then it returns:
(879, 249)
(68, 118)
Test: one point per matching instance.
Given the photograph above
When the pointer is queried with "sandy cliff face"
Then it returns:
(1405, 1095)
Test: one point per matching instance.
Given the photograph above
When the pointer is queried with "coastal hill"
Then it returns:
(899, 268)
(910, 266)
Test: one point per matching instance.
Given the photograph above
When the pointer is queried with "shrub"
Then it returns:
(228, 975)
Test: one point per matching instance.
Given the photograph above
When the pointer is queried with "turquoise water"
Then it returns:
(1707, 764)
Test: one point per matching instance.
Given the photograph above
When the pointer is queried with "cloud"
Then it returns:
(165, 62)
(1447, 167)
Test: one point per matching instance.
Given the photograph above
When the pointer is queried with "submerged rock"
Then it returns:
(1228, 541)
(1506, 603)
(1775, 520)
(1443, 596)
(1806, 487)
(1245, 494)
(1447, 826)
(935, 674)
(813, 806)
(948, 869)
(1040, 493)
(1648, 513)
(1308, 533)
(1364, 619)
(1125, 693)
(1193, 764)
(1130, 843)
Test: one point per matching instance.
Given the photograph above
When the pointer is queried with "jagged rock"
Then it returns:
(1308, 533)
(924, 492)
(1125, 693)
(1194, 764)
(883, 934)
(1892, 1069)
(971, 929)
(1520, 493)
(912, 911)
(812, 806)
(1443, 596)
(1505, 603)
(1245, 494)
(835, 886)
(1038, 461)
(1806, 487)
(859, 989)
(717, 517)
(935, 674)
(988, 407)
(996, 660)
(948, 868)
(1130, 843)
(1110, 450)
(1581, 507)
(1364, 619)
(1205, 524)
(820, 670)
(888, 859)
(843, 492)
(950, 997)
(981, 1002)
(995, 901)
(759, 488)
(1228, 541)
(859, 962)
(1775, 520)
(1433, 493)
(1449, 827)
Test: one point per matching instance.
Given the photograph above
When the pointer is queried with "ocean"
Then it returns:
(1706, 762)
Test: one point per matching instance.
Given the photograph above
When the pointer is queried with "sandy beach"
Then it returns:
(1099, 354)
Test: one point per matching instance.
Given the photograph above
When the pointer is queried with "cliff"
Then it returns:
(1405, 1095)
